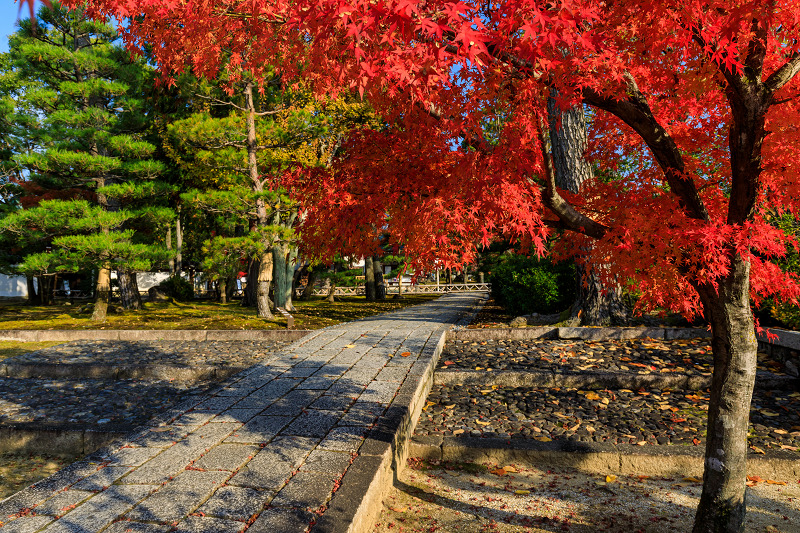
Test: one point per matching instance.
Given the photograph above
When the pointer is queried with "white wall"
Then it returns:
(13, 286)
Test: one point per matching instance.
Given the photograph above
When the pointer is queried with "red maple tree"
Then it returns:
(699, 99)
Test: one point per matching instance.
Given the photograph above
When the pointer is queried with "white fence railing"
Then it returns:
(410, 289)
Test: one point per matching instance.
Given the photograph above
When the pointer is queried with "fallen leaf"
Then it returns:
(448, 363)
(611, 478)
(510, 468)
(428, 404)
(458, 432)
(692, 479)
(498, 472)
(543, 439)
(449, 406)
(522, 492)
(405, 354)
(756, 449)
(641, 443)
(482, 423)
(754, 479)
(773, 482)
(399, 509)
(592, 396)
(350, 346)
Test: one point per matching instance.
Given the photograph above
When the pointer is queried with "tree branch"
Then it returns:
(217, 101)
(636, 113)
(783, 75)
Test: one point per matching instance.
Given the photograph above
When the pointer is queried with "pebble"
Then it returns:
(644, 417)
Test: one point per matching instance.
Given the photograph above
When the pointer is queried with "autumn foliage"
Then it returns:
(693, 130)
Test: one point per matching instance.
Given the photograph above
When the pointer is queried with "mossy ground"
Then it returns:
(201, 314)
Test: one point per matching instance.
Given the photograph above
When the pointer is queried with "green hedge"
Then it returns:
(178, 288)
(525, 285)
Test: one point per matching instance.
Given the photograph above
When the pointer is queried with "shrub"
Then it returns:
(525, 285)
(177, 287)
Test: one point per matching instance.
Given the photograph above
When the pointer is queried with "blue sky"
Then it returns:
(8, 19)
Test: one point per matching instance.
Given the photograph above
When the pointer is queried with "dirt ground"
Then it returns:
(467, 498)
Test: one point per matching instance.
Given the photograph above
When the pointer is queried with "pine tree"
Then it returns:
(88, 142)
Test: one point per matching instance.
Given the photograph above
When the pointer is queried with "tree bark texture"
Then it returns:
(178, 245)
(369, 279)
(597, 303)
(222, 290)
(380, 286)
(284, 257)
(733, 341)
(169, 247)
(46, 288)
(102, 293)
(129, 290)
(264, 281)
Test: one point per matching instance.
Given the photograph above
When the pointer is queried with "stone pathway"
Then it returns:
(293, 443)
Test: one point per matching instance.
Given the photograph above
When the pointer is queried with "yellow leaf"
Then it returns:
(428, 404)
(543, 439)
(522, 492)
(691, 479)
(611, 478)
(398, 509)
(481, 422)
(449, 406)
(510, 468)
(773, 482)
(350, 346)
(768, 413)
(757, 450)
(592, 396)
(458, 432)
(605, 401)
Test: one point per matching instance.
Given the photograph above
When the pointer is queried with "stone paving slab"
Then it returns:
(278, 469)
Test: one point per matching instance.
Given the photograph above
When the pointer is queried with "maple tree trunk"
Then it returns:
(262, 286)
(102, 293)
(597, 304)
(722, 504)
(369, 279)
(129, 290)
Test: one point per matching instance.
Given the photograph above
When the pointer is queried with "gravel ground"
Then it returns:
(182, 353)
(614, 416)
(521, 498)
(640, 356)
(89, 402)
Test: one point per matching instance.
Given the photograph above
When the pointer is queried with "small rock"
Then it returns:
(518, 322)
(791, 368)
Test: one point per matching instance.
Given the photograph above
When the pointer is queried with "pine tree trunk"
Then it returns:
(308, 291)
(249, 298)
(169, 247)
(263, 285)
(369, 279)
(102, 293)
(178, 245)
(279, 270)
(288, 289)
(733, 342)
(46, 287)
(34, 298)
(380, 286)
(331, 290)
(597, 304)
(222, 290)
(129, 290)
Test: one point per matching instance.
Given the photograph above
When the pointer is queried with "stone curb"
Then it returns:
(594, 334)
(600, 380)
(596, 457)
(29, 335)
(56, 440)
(181, 373)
